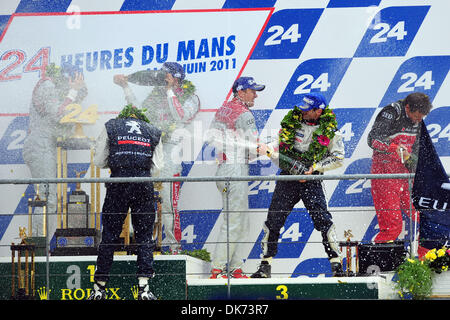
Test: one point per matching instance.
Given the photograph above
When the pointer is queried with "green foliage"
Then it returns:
(187, 90)
(130, 111)
(320, 139)
(53, 71)
(201, 254)
(414, 278)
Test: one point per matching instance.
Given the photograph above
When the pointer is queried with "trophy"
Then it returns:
(157, 227)
(78, 206)
(348, 244)
(22, 279)
(37, 236)
(78, 232)
(77, 238)
(80, 117)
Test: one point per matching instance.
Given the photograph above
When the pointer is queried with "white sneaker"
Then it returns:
(145, 294)
(99, 292)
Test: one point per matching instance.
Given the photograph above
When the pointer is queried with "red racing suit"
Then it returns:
(391, 128)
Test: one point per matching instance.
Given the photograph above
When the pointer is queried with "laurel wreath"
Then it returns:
(52, 70)
(185, 91)
(321, 137)
(130, 111)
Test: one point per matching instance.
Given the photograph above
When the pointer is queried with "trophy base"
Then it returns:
(78, 210)
(22, 296)
(76, 241)
(378, 257)
(75, 251)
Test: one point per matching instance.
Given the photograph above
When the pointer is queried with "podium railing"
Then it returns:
(98, 180)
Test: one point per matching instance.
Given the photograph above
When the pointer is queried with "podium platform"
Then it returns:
(182, 277)
(71, 277)
(373, 287)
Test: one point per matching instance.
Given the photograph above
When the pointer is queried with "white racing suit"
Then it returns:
(165, 111)
(39, 150)
(234, 134)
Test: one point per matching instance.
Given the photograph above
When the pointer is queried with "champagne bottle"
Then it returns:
(148, 78)
(294, 167)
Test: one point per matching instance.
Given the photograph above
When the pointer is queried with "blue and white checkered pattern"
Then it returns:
(360, 54)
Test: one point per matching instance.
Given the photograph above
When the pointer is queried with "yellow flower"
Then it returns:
(411, 261)
(295, 117)
(172, 127)
(431, 255)
(441, 253)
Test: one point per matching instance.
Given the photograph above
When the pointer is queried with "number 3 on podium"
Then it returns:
(283, 292)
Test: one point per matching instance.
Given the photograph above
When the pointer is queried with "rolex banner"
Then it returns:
(431, 195)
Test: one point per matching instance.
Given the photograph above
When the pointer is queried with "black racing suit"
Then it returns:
(131, 144)
(288, 193)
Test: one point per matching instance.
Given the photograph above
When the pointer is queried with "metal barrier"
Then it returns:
(227, 180)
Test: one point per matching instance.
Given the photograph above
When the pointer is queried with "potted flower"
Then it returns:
(416, 278)
(439, 261)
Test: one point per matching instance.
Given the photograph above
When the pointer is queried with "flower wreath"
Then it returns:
(321, 137)
(185, 91)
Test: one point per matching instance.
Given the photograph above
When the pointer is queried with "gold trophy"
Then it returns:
(78, 141)
(75, 234)
(348, 248)
(157, 227)
(80, 117)
(24, 289)
(37, 202)
(78, 206)
(36, 236)
(124, 237)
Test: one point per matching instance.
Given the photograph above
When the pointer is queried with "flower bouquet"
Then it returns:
(415, 277)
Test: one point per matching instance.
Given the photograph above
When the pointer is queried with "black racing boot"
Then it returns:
(264, 270)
